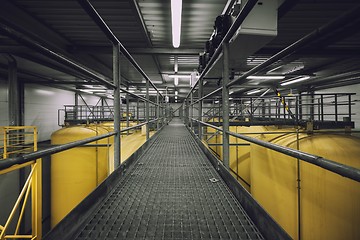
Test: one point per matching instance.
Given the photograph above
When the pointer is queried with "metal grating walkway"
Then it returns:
(172, 192)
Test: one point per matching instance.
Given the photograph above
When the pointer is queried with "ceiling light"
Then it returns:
(178, 76)
(176, 92)
(176, 8)
(176, 64)
(295, 80)
(176, 97)
(266, 77)
(176, 81)
(253, 91)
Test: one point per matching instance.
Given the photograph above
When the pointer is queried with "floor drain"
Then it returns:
(213, 180)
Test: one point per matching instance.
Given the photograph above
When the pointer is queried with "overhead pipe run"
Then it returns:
(16, 34)
(234, 27)
(314, 35)
(95, 16)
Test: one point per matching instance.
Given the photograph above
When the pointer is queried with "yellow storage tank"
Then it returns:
(239, 155)
(329, 203)
(76, 172)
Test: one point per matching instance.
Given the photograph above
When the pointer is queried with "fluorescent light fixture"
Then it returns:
(266, 77)
(178, 76)
(176, 8)
(176, 92)
(176, 64)
(253, 91)
(295, 80)
(176, 81)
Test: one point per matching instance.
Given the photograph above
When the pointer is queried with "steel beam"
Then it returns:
(117, 105)
(95, 16)
(14, 100)
(200, 94)
(147, 111)
(225, 106)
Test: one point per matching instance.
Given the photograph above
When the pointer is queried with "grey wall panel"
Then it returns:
(4, 110)
(9, 191)
(41, 108)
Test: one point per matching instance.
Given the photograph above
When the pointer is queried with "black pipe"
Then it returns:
(341, 169)
(8, 162)
(234, 27)
(314, 35)
(16, 34)
(95, 16)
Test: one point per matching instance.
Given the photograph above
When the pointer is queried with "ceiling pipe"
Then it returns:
(234, 27)
(306, 40)
(95, 16)
(21, 37)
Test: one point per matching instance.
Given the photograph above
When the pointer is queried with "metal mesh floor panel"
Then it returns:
(172, 192)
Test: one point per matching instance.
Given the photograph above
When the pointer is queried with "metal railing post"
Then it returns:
(147, 110)
(191, 110)
(200, 107)
(225, 106)
(157, 112)
(127, 111)
(117, 104)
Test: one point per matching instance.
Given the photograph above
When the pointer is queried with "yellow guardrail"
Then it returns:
(17, 140)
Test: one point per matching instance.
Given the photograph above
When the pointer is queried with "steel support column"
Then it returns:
(137, 111)
(225, 106)
(191, 106)
(117, 104)
(147, 109)
(157, 112)
(200, 106)
(127, 111)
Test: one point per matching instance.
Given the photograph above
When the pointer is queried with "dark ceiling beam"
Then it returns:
(31, 24)
(315, 52)
(286, 6)
(19, 35)
(135, 51)
(136, 8)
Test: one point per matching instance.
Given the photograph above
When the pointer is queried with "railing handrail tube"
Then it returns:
(8, 162)
(335, 167)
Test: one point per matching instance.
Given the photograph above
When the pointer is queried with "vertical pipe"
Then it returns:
(14, 94)
(298, 185)
(312, 107)
(300, 107)
(147, 110)
(225, 106)
(127, 111)
(201, 90)
(157, 112)
(322, 107)
(117, 105)
(191, 110)
(137, 111)
(336, 108)
(349, 107)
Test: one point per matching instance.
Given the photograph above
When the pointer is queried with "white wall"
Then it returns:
(343, 109)
(41, 108)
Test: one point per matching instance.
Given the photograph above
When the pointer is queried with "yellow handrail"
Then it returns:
(13, 146)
